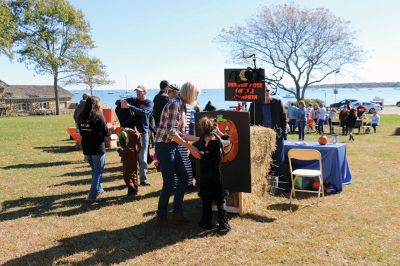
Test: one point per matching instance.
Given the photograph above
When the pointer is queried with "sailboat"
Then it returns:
(126, 94)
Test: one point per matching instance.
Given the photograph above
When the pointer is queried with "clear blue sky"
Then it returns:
(148, 41)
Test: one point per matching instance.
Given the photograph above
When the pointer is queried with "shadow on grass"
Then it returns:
(56, 204)
(88, 181)
(259, 218)
(57, 149)
(283, 207)
(114, 246)
(38, 165)
(88, 172)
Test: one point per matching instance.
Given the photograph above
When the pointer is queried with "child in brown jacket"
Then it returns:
(130, 157)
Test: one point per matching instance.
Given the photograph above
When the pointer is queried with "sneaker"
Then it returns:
(91, 201)
(100, 194)
(144, 183)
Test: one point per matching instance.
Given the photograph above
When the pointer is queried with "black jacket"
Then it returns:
(160, 100)
(278, 116)
(93, 133)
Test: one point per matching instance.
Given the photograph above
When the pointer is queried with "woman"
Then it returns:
(170, 134)
(93, 129)
(300, 114)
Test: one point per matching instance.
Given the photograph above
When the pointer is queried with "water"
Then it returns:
(217, 97)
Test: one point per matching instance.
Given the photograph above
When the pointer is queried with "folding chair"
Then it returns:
(305, 155)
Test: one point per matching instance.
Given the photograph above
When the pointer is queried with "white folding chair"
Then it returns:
(305, 155)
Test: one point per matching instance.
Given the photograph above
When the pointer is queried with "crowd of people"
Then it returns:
(315, 117)
(168, 117)
(176, 147)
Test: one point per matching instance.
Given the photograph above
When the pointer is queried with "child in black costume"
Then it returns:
(210, 176)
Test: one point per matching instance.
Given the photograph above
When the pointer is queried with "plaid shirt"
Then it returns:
(172, 121)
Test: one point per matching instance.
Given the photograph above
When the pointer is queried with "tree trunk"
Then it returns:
(56, 94)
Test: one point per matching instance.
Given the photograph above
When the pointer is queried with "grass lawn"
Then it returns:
(44, 218)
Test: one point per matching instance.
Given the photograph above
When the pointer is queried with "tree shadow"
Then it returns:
(88, 181)
(89, 171)
(283, 207)
(115, 246)
(38, 165)
(57, 149)
(259, 218)
(56, 204)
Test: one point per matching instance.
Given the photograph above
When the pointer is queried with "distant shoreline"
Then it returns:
(358, 85)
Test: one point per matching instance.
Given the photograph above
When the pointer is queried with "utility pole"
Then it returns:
(335, 91)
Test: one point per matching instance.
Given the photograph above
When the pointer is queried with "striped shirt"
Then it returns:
(172, 121)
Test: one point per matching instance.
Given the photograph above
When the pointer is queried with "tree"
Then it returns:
(303, 46)
(90, 72)
(54, 36)
(8, 29)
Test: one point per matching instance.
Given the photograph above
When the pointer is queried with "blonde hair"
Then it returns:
(302, 103)
(189, 92)
(206, 125)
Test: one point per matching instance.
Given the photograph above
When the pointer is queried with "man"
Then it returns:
(160, 100)
(292, 117)
(321, 118)
(142, 109)
(209, 107)
(270, 114)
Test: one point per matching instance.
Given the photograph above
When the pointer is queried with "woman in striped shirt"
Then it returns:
(170, 134)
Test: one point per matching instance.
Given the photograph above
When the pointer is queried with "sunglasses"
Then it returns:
(170, 91)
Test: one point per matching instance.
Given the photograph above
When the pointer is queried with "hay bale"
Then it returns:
(262, 145)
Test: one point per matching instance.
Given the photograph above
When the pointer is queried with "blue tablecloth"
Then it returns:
(335, 168)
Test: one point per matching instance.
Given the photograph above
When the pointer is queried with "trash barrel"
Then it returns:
(108, 115)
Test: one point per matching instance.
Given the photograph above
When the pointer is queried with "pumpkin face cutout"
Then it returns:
(229, 128)
(322, 140)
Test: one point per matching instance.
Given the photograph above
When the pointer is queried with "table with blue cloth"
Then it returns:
(335, 168)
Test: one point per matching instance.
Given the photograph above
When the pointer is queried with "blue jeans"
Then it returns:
(97, 163)
(143, 157)
(301, 125)
(321, 125)
(171, 163)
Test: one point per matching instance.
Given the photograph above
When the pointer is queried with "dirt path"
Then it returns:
(390, 110)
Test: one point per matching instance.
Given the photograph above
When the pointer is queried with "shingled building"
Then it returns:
(32, 99)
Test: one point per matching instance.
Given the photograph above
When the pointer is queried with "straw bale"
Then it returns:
(262, 145)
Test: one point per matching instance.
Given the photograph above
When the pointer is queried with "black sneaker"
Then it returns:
(145, 183)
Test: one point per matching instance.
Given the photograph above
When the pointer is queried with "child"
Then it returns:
(130, 157)
(210, 177)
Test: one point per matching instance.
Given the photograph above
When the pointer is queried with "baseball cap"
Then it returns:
(174, 87)
(140, 88)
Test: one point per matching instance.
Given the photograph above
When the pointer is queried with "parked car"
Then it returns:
(342, 103)
(398, 104)
(370, 107)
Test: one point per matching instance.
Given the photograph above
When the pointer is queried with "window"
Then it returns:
(44, 105)
(22, 107)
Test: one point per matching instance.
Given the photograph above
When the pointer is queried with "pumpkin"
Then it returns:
(229, 128)
(322, 140)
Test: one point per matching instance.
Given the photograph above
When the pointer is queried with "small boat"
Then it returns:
(110, 92)
(288, 96)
